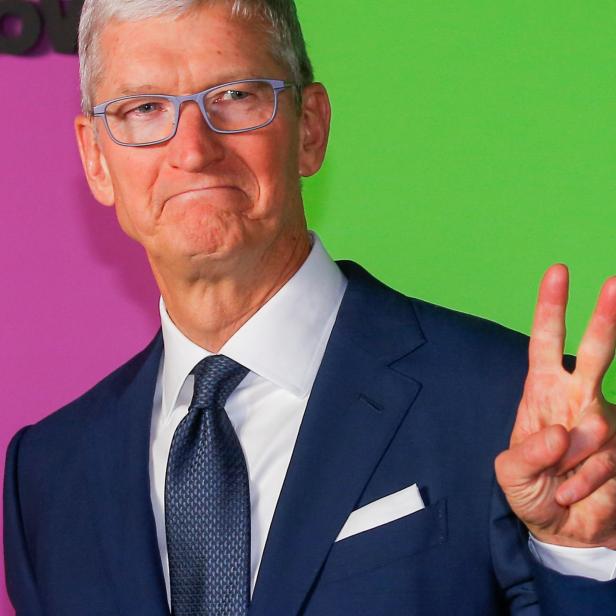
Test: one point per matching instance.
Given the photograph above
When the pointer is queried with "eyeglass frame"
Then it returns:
(278, 85)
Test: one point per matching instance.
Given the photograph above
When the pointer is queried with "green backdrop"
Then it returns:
(472, 146)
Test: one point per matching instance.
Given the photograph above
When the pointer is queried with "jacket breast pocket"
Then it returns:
(389, 542)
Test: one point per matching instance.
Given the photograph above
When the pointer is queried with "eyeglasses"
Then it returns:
(233, 107)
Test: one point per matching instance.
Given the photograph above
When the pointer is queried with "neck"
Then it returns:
(209, 307)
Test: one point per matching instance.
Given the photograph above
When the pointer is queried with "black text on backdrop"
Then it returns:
(22, 23)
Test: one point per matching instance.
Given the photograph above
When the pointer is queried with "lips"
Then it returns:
(196, 193)
(204, 189)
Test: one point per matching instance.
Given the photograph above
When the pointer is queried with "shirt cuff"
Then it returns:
(594, 563)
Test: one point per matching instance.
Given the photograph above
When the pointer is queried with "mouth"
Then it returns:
(200, 193)
(203, 189)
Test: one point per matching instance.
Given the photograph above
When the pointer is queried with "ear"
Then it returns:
(314, 128)
(93, 160)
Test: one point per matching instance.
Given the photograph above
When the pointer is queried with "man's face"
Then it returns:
(201, 194)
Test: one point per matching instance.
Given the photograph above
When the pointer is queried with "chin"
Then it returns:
(210, 242)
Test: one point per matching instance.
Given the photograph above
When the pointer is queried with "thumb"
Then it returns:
(525, 461)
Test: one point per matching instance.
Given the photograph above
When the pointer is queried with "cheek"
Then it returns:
(276, 170)
(134, 177)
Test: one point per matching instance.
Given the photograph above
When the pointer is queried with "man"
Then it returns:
(300, 439)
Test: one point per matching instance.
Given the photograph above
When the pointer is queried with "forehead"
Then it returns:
(183, 54)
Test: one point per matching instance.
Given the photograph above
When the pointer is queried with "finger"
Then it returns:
(548, 332)
(596, 350)
(595, 471)
(586, 439)
(537, 453)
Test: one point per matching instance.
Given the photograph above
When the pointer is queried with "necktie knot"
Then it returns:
(216, 377)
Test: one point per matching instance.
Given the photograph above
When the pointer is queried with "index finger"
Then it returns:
(547, 338)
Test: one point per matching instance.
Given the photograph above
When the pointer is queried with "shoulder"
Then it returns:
(462, 361)
(85, 413)
(475, 356)
(445, 330)
(477, 360)
(470, 336)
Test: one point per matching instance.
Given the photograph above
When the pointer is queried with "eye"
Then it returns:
(145, 109)
(232, 95)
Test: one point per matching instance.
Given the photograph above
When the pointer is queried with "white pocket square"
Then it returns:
(382, 511)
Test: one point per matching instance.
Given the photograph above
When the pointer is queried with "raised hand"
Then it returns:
(559, 474)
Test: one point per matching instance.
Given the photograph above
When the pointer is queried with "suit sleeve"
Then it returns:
(20, 580)
(565, 595)
(533, 589)
(511, 558)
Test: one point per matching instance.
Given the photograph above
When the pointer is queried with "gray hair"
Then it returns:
(280, 16)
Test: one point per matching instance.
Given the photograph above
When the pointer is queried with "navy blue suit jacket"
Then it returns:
(407, 393)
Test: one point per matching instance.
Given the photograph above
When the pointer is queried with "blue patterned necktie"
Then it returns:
(207, 501)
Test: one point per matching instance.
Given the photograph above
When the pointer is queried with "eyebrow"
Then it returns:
(129, 90)
(148, 88)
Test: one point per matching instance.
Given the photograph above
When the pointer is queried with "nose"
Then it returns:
(195, 145)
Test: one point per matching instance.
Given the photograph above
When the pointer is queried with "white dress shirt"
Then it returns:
(282, 345)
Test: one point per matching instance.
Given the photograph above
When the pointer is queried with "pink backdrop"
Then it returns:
(62, 255)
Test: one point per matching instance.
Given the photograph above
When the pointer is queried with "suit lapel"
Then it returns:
(357, 403)
(123, 518)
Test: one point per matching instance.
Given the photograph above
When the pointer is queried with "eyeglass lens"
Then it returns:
(149, 118)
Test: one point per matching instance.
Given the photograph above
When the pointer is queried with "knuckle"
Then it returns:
(606, 464)
(602, 427)
(501, 464)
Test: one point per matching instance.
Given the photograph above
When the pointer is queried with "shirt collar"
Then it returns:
(283, 342)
